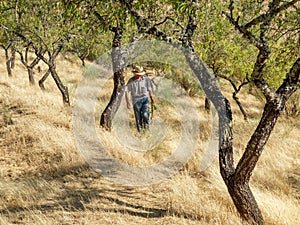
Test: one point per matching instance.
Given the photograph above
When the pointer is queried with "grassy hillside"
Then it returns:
(44, 179)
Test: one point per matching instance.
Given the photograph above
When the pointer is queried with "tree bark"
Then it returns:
(115, 101)
(30, 66)
(30, 75)
(8, 66)
(118, 64)
(42, 80)
(52, 69)
(13, 58)
(236, 99)
(8, 61)
(63, 89)
(119, 83)
(207, 104)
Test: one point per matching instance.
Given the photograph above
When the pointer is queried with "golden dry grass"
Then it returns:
(44, 179)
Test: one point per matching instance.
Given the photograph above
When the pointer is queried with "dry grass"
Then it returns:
(44, 180)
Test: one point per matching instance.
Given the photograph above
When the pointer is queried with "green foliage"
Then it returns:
(218, 45)
(284, 44)
(282, 37)
(222, 48)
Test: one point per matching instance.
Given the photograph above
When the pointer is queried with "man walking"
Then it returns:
(139, 87)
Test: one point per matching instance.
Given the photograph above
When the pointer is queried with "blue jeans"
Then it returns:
(141, 113)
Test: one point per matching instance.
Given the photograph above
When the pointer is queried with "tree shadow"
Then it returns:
(109, 197)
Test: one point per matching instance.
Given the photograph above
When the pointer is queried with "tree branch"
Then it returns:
(260, 42)
(169, 18)
(144, 25)
(292, 81)
(190, 30)
(236, 91)
(22, 59)
(274, 10)
(265, 19)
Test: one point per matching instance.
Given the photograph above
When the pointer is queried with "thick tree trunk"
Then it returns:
(245, 203)
(237, 186)
(119, 83)
(115, 101)
(236, 183)
(237, 180)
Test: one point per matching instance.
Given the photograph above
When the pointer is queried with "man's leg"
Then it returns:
(137, 107)
(146, 114)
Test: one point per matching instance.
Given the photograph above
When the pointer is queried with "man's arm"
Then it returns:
(151, 96)
(149, 87)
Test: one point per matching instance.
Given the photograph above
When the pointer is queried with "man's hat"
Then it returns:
(138, 70)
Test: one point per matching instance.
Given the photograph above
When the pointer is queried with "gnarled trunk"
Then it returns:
(119, 83)
(115, 101)
(52, 69)
(237, 180)
(63, 89)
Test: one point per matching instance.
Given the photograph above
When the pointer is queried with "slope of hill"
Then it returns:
(44, 179)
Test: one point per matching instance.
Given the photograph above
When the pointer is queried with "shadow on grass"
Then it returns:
(80, 189)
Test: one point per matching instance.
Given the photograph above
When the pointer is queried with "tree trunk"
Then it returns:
(63, 89)
(237, 186)
(26, 54)
(115, 101)
(30, 75)
(245, 203)
(119, 83)
(52, 69)
(42, 80)
(29, 67)
(237, 180)
(8, 62)
(13, 58)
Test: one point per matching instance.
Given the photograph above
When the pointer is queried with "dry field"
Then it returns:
(44, 179)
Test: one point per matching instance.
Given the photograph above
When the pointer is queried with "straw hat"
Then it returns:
(138, 70)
